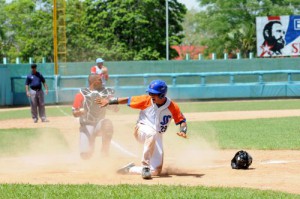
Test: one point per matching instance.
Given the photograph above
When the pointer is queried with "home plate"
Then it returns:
(275, 162)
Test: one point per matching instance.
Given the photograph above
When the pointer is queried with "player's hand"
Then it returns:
(181, 134)
(46, 91)
(78, 112)
(82, 111)
(101, 101)
(104, 71)
(28, 94)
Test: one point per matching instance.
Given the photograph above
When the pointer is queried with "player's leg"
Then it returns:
(33, 105)
(156, 161)
(146, 135)
(41, 105)
(152, 151)
(131, 167)
(87, 141)
(105, 129)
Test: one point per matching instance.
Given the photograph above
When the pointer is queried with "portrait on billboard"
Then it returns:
(278, 36)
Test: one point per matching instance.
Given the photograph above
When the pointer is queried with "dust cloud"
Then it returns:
(190, 154)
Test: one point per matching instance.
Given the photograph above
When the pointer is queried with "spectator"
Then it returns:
(101, 70)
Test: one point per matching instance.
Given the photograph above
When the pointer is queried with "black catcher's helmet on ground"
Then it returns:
(241, 160)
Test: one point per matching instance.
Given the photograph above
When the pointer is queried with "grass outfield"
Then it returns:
(240, 105)
(267, 133)
(186, 107)
(132, 191)
(20, 141)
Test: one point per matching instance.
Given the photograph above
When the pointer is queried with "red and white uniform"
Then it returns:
(97, 70)
(92, 122)
(152, 123)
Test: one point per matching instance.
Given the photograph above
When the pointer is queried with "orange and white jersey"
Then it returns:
(156, 117)
(103, 75)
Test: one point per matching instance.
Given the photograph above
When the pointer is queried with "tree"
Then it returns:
(136, 29)
(80, 46)
(113, 29)
(190, 27)
(230, 25)
(27, 26)
(2, 31)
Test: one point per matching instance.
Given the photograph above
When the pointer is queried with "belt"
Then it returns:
(145, 124)
(36, 89)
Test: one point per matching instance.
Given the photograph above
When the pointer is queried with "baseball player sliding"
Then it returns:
(156, 113)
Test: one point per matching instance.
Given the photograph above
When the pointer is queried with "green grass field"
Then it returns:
(266, 134)
(20, 141)
(132, 191)
(186, 107)
(275, 133)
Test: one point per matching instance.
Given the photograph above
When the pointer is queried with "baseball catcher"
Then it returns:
(92, 117)
(241, 160)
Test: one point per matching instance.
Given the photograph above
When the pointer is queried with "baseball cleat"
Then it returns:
(125, 169)
(35, 120)
(146, 173)
(45, 120)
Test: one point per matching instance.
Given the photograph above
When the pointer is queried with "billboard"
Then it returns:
(278, 36)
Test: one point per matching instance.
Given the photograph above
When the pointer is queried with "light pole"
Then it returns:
(167, 30)
(55, 48)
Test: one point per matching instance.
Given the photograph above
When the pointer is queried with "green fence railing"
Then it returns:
(196, 85)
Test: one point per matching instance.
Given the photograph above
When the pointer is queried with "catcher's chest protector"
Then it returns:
(94, 113)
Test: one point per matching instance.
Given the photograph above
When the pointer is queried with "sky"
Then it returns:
(190, 4)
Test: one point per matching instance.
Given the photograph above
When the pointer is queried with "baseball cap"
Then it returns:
(99, 60)
(33, 65)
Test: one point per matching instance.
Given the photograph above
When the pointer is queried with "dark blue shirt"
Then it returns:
(35, 80)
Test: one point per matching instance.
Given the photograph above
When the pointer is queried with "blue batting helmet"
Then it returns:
(158, 87)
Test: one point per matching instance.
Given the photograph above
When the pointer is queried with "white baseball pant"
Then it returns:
(152, 151)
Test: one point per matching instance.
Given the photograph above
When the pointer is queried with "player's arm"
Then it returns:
(179, 119)
(111, 101)
(76, 109)
(93, 70)
(44, 83)
(27, 86)
(105, 73)
(183, 130)
(27, 90)
(46, 87)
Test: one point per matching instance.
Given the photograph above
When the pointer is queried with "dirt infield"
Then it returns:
(187, 162)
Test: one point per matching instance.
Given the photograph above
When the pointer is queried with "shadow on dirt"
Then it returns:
(169, 175)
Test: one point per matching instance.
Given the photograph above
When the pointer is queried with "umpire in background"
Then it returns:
(35, 92)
